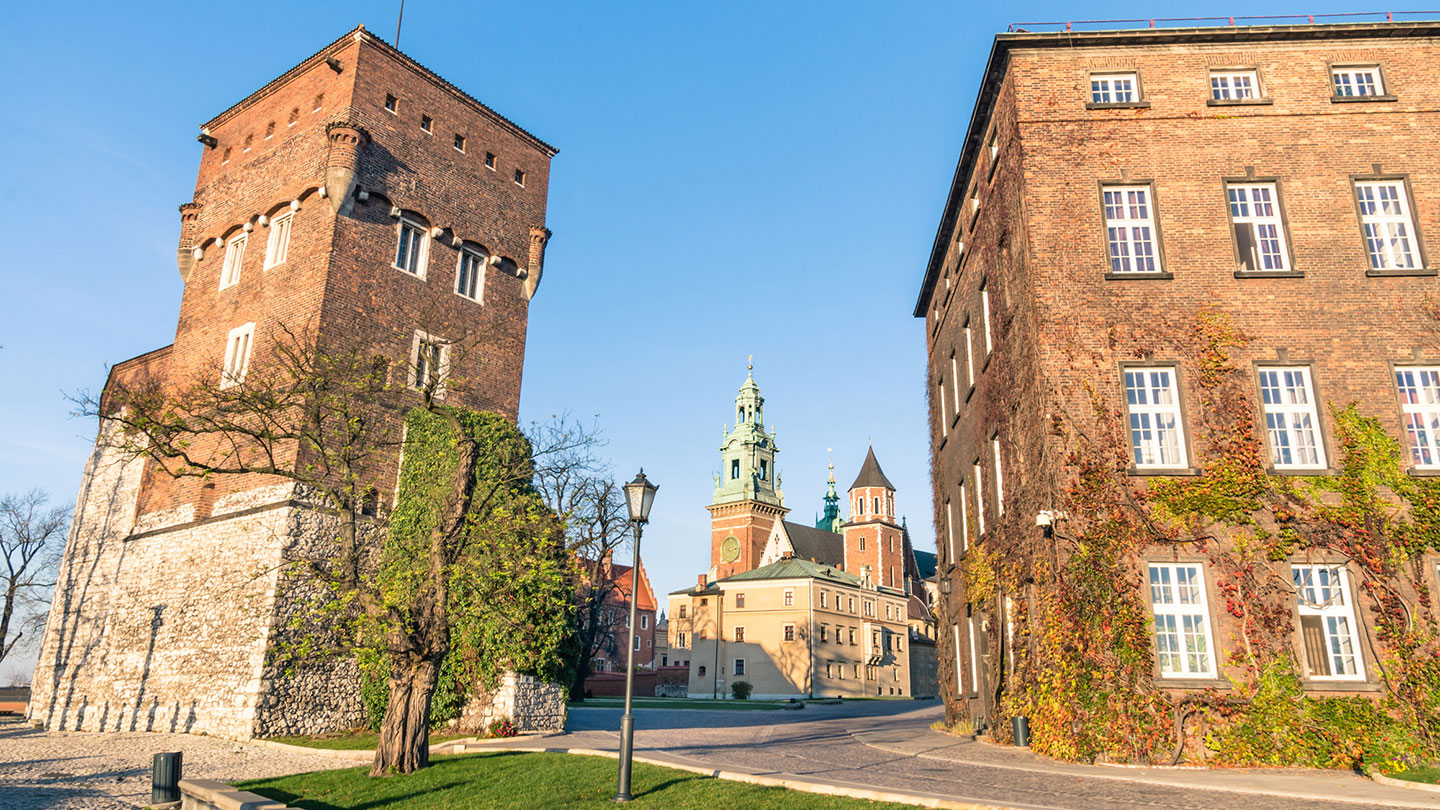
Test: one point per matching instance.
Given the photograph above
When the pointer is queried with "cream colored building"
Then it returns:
(793, 628)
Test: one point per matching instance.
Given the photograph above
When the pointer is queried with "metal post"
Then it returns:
(165, 778)
(627, 721)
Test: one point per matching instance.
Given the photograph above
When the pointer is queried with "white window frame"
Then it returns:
(955, 380)
(234, 260)
(239, 344)
(979, 499)
(985, 316)
(1150, 419)
(1387, 222)
(999, 477)
(1257, 206)
(1356, 81)
(419, 256)
(479, 262)
(964, 518)
(644, 622)
(737, 668)
(277, 246)
(1130, 227)
(1332, 601)
(421, 339)
(969, 354)
(950, 528)
(959, 668)
(974, 656)
(943, 413)
(1182, 613)
(1419, 390)
(1291, 415)
(1234, 85)
(1107, 88)
(788, 597)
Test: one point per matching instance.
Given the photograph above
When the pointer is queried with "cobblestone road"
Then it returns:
(40, 771)
(816, 742)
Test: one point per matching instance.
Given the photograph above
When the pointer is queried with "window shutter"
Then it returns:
(1312, 632)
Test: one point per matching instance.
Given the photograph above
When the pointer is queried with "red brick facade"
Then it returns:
(274, 152)
(1024, 228)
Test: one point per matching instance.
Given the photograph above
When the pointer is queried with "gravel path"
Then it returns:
(43, 771)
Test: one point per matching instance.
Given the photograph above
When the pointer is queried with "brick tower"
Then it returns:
(357, 200)
(748, 499)
(874, 542)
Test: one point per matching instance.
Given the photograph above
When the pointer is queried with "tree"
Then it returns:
(32, 538)
(467, 553)
(583, 491)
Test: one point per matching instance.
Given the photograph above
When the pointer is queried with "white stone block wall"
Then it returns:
(530, 703)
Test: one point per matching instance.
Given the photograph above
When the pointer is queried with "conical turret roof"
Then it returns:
(871, 475)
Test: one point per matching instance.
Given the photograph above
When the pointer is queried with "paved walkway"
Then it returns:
(888, 745)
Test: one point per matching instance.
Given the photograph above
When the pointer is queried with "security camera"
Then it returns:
(1047, 518)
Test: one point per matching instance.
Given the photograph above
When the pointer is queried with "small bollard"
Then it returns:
(1020, 726)
(165, 778)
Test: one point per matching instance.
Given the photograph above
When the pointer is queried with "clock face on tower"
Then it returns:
(730, 549)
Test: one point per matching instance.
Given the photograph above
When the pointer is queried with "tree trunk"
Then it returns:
(404, 745)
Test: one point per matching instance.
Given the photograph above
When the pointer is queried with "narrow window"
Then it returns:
(520, 178)
(426, 124)
(1156, 429)
(277, 247)
(739, 633)
(490, 160)
(269, 130)
(739, 665)
(1419, 389)
(764, 468)
(644, 622)
(1233, 85)
(412, 248)
(974, 632)
(459, 143)
(429, 361)
(734, 468)
(824, 595)
(637, 642)
(955, 381)
(1389, 230)
(248, 140)
(944, 411)
(1130, 229)
(1327, 623)
(1182, 629)
(1291, 418)
(985, 317)
(319, 102)
(237, 355)
(969, 355)
(875, 504)
(391, 103)
(470, 275)
(226, 157)
(824, 632)
(1259, 233)
(964, 519)
(739, 600)
(789, 632)
(852, 630)
(370, 502)
(979, 499)
(789, 597)
(862, 542)
(682, 615)
(999, 480)
(234, 257)
(1357, 81)
(294, 116)
(852, 610)
(1114, 88)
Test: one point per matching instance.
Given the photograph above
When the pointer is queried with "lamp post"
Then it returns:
(639, 495)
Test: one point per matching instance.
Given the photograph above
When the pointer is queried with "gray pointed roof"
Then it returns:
(817, 545)
(870, 474)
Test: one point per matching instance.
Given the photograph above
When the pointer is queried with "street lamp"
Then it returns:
(639, 495)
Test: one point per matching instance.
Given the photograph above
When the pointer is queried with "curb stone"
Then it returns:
(1403, 783)
(367, 754)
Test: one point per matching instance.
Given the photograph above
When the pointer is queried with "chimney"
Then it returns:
(704, 580)
(787, 555)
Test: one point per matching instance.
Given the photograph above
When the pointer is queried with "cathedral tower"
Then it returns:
(748, 499)
(874, 542)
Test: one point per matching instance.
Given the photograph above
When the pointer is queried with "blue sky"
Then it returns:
(734, 178)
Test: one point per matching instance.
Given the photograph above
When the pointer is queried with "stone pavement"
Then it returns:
(887, 745)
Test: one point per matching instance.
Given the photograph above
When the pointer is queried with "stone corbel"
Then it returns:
(342, 163)
(539, 237)
(185, 254)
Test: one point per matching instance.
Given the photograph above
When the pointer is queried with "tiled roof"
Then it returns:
(870, 474)
(795, 569)
(817, 545)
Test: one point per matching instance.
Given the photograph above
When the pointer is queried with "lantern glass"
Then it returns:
(639, 495)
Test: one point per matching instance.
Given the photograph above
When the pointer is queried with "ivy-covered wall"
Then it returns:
(1081, 663)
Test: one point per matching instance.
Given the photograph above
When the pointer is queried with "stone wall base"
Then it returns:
(531, 704)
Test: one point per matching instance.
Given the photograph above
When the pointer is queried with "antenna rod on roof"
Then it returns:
(399, 19)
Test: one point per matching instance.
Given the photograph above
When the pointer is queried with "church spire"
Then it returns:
(747, 453)
(832, 521)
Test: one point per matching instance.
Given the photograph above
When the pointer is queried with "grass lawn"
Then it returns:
(679, 703)
(1429, 774)
(535, 782)
(353, 740)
